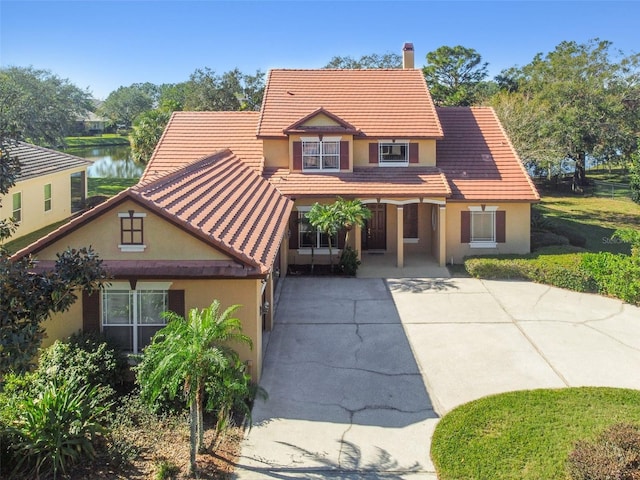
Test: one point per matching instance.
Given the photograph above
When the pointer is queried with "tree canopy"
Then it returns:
(374, 60)
(455, 75)
(39, 106)
(577, 101)
(233, 90)
(123, 105)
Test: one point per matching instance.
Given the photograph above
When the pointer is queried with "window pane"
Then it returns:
(331, 161)
(116, 307)
(311, 161)
(482, 227)
(311, 148)
(331, 148)
(144, 336)
(151, 304)
(393, 152)
(121, 336)
(47, 197)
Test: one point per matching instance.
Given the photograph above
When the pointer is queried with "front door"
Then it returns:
(374, 235)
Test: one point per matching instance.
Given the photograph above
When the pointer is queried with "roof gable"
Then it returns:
(381, 103)
(38, 161)
(218, 199)
(321, 121)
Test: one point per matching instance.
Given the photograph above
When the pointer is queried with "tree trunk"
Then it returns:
(200, 426)
(193, 418)
(579, 173)
(330, 255)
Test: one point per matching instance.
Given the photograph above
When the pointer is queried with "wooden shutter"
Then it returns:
(414, 156)
(465, 226)
(176, 302)
(91, 312)
(344, 155)
(293, 228)
(501, 217)
(297, 155)
(373, 153)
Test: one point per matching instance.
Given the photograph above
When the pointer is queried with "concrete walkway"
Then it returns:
(359, 370)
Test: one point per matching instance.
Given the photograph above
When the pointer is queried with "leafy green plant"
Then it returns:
(166, 470)
(56, 429)
(188, 356)
(349, 262)
(614, 455)
(615, 275)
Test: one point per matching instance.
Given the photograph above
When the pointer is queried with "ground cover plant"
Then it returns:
(527, 435)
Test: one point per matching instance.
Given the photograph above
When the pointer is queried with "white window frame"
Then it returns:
(384, 144)
(316, 250)
(322, 145)
(15, 195)
(129, 248)
(48, 198)
(476, 211)
(134, 296)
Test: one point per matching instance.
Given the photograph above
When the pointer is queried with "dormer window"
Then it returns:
(393, 153)
(321, 153)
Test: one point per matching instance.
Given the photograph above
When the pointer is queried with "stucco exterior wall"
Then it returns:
(34, 216)
(162, 239)
(426, 153)
(62, 325)
(276, 153)
(517, 230)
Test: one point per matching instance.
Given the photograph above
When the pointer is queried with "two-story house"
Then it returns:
(217, 212)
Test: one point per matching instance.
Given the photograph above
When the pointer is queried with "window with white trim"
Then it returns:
(483, 226)
(320, 154)
(132, 231)
(309, 237)
(47, 197)
(393, 153)
(130, 318)
(17, 207)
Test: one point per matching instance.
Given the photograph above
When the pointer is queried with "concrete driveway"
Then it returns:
(359, 370)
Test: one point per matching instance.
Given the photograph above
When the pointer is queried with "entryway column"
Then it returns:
(442, 235)
(400, 239)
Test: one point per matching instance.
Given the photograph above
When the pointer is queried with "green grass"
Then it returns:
(97, 141)
(21, 242)
(616, 175)
(594, 218)
(526, 435)
(108, 186)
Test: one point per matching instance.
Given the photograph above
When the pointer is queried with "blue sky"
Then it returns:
(101, 45)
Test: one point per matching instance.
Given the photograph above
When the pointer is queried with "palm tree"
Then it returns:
(351, 212)
(192, 354)
(325, 218)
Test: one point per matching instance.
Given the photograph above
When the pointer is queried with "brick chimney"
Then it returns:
(407, 56)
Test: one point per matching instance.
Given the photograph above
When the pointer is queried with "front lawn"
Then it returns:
(108, 186)
(106, 139)
(526, 435)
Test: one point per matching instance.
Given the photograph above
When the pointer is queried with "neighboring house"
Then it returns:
(50, 187)
(217, 213)
(91, 124)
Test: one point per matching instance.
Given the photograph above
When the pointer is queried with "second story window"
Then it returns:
(321, 154)
(17, 207)
(132, 231)
(47, 197)
(393, 153)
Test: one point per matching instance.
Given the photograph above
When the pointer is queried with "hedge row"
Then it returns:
(605, 273)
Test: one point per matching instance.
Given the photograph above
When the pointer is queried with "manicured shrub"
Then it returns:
(349, 262)
(55, 429)
(614, 455)
(496, 268)
(615, 275)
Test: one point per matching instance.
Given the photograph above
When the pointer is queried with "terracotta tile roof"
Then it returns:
(193, 135)
(219, 199)
(379, 103)
(38, 161)
(363, 182)
(478, 159)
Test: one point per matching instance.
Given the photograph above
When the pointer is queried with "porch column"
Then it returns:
(357, 240)
(442, 235)
(400, 239)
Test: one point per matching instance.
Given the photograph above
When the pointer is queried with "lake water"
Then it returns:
(109, 162)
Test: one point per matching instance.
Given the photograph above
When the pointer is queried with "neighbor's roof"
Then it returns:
(378, 102)
(38, 161)
(192, 135)
(478, 159)
(218, 199)
(363, 182)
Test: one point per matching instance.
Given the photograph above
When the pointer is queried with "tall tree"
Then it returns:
(374, 60)
(39, 106)
(123, 105)
(192, 355)
(455, 75)
(146, 132)
(582, 97)
(231, 91)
